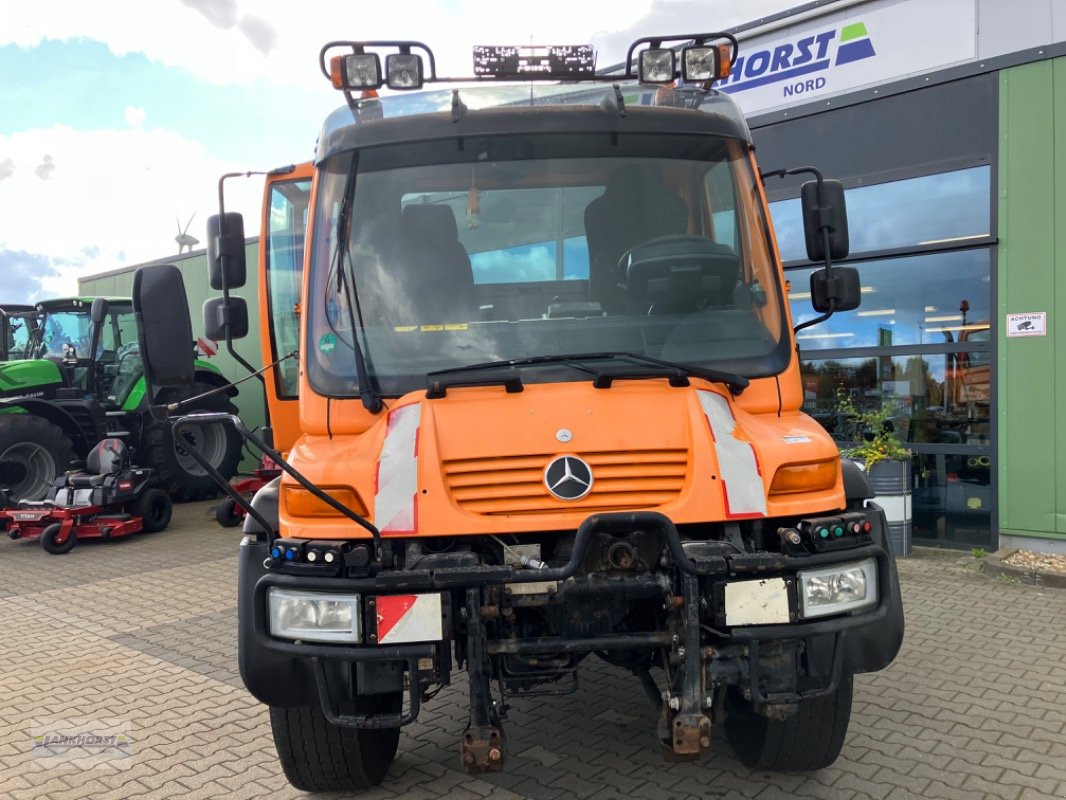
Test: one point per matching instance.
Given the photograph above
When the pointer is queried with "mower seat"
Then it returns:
(95, 485)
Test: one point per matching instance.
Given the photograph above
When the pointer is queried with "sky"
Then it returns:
(117, 117)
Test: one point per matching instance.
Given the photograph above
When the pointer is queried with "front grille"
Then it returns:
(515, 484)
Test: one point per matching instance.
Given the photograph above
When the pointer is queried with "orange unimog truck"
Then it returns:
(549, 403)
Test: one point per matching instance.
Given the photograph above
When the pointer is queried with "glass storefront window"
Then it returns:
(951, 502)
(935, 398)
(928, 299)
(948, 207)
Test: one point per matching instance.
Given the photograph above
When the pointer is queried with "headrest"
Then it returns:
(108, 457)
(433, 222)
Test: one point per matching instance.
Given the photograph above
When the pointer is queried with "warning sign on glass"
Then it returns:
(1034, 324)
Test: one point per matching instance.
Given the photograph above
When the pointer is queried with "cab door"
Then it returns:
(286, 198)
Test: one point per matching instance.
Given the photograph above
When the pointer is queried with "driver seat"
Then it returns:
(634, 207)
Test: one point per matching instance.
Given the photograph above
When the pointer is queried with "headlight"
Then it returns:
(314, 616)
(837, 589)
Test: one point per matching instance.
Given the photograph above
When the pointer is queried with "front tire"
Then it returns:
(227, 514)
(808, 740)
(320, 757)
(180, 475)
(49, 543)
(35, 452)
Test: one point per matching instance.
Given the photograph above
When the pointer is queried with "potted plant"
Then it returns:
(887, 462)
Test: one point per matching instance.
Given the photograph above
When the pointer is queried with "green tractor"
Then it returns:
(78, 379)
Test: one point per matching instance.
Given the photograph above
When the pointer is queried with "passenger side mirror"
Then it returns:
(225, 318)
(225, 254)
(842, 285)
(828, 213)
(163, 327)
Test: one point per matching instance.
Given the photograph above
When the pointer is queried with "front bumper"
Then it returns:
(287, 673)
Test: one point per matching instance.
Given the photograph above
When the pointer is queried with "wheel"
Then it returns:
(180, 475)
(319, 757)
(48, 540)
(154, 507)
(808, 740)
(33, 453)
(227, 515)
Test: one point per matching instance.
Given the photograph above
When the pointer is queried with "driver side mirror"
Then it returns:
(98, 310)
(843, 286)
(163, 327)
(225, 318)
(225, 254)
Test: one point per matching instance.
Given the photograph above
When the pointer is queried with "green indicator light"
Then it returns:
(823, 532)
(838, 531)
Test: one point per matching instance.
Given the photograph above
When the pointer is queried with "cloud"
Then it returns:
(86, 220)
(135, 116)
(259, 32)
(225, 15)
(220, 13)
(7, 168)
(24, 274)
(45, 169)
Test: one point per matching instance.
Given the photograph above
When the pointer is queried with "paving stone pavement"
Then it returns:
(143, 630)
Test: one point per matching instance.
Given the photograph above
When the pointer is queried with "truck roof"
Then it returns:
(58, 303)
(528, 108)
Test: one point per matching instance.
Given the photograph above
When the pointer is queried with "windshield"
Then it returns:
(450, 253)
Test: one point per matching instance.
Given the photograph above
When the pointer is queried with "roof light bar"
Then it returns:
(552, 61)
(360, 70)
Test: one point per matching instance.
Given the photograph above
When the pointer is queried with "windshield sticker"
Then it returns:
(327, 343)
(451, 326)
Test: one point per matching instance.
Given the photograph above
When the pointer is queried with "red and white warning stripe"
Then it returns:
(738, 465)
(395, 498)
(409, 618)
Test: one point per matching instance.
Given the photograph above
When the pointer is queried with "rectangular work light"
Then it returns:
(657, 65)
(403, 71)
(355, 71)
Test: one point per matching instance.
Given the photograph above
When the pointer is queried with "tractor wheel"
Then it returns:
(154, 508)
(318, 756)
(48, 540)
(35, 452)
(808, 740)
(180, 475)
(227, 513)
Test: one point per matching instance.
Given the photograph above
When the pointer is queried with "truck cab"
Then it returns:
(549, 410)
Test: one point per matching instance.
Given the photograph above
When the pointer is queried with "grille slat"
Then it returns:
(515, 484)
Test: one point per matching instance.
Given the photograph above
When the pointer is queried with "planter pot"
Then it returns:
(891, 482)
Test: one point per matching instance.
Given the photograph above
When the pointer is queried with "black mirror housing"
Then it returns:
(224, 316)
(225, 255)
(163, 327)
(98, 310)
(843, 286)
(830, 212)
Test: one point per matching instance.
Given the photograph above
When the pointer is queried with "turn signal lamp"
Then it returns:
(812, 477)
(301, 503)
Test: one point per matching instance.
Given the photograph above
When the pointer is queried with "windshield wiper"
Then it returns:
(371, 400)
(678, 373)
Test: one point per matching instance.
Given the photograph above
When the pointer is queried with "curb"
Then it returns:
(994, 566)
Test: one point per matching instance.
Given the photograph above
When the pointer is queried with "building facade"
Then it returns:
(946, 122)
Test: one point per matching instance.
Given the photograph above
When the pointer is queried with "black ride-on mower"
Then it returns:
(108, 499)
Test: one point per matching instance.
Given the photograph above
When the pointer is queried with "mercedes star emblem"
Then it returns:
(568, 477)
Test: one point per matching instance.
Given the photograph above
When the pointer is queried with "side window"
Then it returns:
(284, 260)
